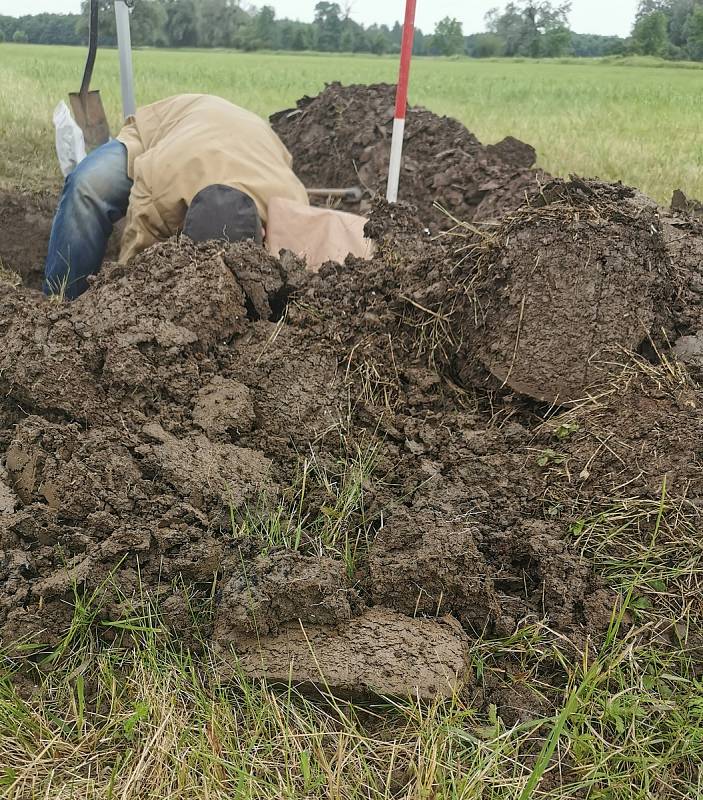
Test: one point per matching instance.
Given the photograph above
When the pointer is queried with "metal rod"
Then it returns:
(352, 194)
(124, 43)
(92, 47)
(401, 101)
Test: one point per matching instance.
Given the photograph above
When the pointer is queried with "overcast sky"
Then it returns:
(588, 16)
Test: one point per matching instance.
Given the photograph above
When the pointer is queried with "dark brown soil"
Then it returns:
(568, 282)
(342, 138)
(25, 222)
(188, 430)
(150, 415)
(378, 652)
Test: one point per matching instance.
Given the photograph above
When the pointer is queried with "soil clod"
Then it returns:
(425, 658)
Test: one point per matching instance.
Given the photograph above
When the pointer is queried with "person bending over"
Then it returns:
(192, 163)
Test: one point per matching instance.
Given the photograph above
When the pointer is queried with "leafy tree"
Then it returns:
(681, 20)
(484, 45)
(397, 36)
(42, 28)
(265, 25)
(261, 32)
(448, 39)
(346, 43)
(386, 33)
(294, 36)
(147, 20)
(694, 34)
(182, 22)
(508, 25)
(555, 42)
(650, 34)
(298, 42)
(287, 34)
(589, 45)
(221, 22)
(378, 43)
(107, 34)
(678, 15)
(532, 27)
(20, 36)
(217, 23)
(647, 7)
(353, 38)
(328, 21)
(420, 47)
(2, 35)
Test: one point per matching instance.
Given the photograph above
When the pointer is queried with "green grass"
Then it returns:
(336, 522)
(120, 710)
(144, 720)
(620, 120)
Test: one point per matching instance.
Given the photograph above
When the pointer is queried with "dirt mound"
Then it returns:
(342, 138)
(154, 429)
(680, 204)
(683, 232)
(25, 221)
(513, 151)
(344, 478)
(544, 306)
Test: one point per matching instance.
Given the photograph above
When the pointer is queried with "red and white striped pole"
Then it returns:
(401, 101)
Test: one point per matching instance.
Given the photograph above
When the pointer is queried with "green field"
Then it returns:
(631, 123)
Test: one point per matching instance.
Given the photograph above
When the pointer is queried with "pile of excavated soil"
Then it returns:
(342, 138)
(142, 422)
(151, 430)
(354, 474)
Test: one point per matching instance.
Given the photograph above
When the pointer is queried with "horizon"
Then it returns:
(597, 17)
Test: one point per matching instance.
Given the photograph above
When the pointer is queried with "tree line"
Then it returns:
(526, 28)
(216, 23)
(671, 29)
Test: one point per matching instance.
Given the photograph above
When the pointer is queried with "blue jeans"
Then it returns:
(94, 197)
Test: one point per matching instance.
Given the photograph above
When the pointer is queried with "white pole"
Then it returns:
(401, 102)
(396, 160)
(124, 43)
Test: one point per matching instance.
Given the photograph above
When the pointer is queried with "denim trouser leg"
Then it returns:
(95, 196)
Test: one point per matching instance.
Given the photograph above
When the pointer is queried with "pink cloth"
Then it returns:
(316, 235)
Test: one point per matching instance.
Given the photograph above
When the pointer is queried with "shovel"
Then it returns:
(86, 105)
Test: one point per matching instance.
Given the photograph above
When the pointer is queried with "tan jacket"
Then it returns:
(180, 145)
(316, 235)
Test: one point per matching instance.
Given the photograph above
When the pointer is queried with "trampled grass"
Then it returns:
(619, 121)
(148, 720)
(120, 710)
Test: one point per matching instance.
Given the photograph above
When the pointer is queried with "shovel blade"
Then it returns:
(90, 115)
